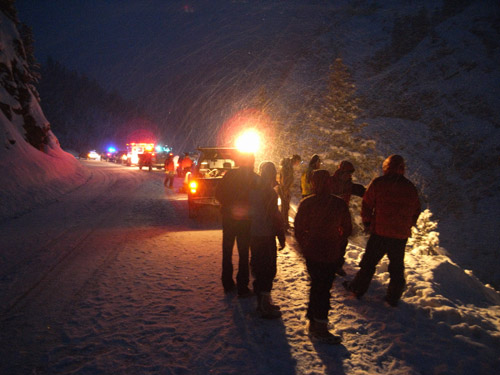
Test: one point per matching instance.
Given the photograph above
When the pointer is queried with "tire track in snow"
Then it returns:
(36, 269)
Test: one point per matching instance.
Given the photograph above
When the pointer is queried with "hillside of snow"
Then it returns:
(429, 77)
(23, 167)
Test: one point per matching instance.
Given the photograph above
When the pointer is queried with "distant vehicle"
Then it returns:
(159, 158)
(206, 172)
(119, 157)
(153, 160)
(93, 155)
(83, 155)
(145, 160)
(135, 150)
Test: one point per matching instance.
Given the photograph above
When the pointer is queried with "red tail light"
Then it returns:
(193, 187)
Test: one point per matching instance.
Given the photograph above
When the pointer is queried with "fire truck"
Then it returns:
(146, 155)
(139, 153)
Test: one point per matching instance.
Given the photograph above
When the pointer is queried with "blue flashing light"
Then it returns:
(111, 149)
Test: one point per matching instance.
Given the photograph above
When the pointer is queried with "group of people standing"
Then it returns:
(322, 225)
(183, 164)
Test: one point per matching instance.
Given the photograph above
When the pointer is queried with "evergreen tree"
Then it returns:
(333, 122)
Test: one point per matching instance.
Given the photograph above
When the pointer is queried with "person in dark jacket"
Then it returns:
(233, 193)
(267, 224)
(322, 225)
(285, 185)
(341, 182)
(390, 208)
(341, 185)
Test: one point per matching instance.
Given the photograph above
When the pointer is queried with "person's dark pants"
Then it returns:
(264, 254)
(169, 179)
(322, 276)
(238, 230)
(376, 248)
(343, 248)
(285, 207)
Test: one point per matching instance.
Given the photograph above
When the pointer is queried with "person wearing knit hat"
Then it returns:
(341, 185)
(390, 208)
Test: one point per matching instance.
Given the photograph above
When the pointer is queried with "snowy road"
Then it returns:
(114, 278)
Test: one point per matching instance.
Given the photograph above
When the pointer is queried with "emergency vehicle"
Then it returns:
(136, 152)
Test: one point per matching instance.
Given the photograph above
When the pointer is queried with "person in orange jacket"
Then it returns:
(390, 208)
(186, 164)
(169, 171)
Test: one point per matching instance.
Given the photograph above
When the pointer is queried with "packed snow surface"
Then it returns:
(113, 278)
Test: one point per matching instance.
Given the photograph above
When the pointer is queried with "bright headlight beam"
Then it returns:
(248, 141)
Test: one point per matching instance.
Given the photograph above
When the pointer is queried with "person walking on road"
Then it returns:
(233, 193)
(390, 208)
(322, 225)
(169, 171)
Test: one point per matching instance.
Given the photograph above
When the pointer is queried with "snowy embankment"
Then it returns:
(30, 177)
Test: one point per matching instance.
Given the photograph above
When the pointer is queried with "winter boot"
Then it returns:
(265, 308)
(348, 286)
(273, 305)
(318, 330)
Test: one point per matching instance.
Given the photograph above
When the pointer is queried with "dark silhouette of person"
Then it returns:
(233, 193)
(322, 225)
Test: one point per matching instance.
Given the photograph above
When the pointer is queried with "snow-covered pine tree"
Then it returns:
(333, 122)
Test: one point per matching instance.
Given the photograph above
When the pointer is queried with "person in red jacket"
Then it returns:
(322, 225)
(390, 208)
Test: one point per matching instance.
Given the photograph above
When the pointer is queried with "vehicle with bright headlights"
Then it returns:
(206, 172)
(94, 155)
(210, 167)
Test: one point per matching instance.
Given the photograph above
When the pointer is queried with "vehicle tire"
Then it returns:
(192, 210)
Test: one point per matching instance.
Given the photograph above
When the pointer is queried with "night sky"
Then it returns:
(188, 62)
(128, 44)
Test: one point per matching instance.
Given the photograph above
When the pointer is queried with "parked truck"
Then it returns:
(206, 172)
